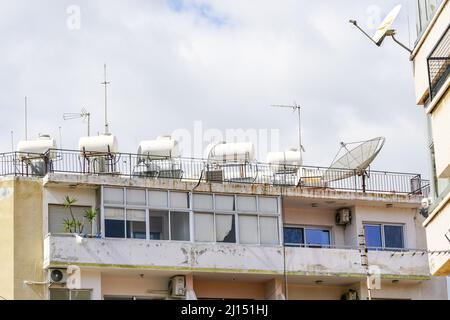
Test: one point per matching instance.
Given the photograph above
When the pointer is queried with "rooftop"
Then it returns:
(195, 172)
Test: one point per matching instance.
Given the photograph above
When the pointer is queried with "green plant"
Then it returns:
(71, 225)
(89, 215)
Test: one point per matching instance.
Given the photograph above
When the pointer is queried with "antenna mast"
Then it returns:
(105, 83)
(26, 119)
(295, 107)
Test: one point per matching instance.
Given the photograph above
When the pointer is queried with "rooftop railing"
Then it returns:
(439, 64)
(202, 170)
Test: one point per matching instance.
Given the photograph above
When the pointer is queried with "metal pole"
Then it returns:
(299, 131)
(12, 141)
(105, 83)
(60, 138)
(89, 124)
(26, 120)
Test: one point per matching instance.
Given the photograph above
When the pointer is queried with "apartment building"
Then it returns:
(431, 64)
(178, 228)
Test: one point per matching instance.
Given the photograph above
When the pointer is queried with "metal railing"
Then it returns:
(201, 170)
(439, 64)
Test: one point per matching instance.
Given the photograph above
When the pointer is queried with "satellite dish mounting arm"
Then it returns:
(391, 33)
(355, 23)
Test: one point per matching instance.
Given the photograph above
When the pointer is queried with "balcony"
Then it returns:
(73, 162)
(439, 64)
(229, 258)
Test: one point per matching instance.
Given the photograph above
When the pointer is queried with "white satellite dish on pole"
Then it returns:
(385, 26)
(384, 29)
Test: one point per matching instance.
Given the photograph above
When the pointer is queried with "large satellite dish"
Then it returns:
(356, 159)
(384, 29)
(385, 26)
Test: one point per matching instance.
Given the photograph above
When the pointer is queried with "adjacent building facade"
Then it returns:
(185, 231)
(431, 63)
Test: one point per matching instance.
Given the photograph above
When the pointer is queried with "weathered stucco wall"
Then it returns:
(436, 229)
(229, 289)
(7, 239)
(21, 247)
(28, 244)
(226, 258)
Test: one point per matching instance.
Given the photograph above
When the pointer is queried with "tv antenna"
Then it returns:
(384, 29)
(296, 108)
(105, 83)
(84, 115)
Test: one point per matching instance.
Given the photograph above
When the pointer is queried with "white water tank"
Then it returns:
(162, 147)
(239, 151)
(98, 144)
(291, 157)
(38, 146)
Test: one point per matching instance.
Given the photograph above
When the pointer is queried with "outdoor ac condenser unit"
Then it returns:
(350, 295)
(343, 216)
(58, 276)
(177, 286)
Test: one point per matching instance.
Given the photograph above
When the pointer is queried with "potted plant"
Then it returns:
(73, 225)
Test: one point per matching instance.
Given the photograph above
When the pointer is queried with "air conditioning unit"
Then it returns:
(350, 295)
(177, 286)
(58, 276)
(343, 216)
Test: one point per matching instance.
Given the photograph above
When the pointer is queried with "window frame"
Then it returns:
(191, 211)
(383, 238)
(70, 291)
(305, 238)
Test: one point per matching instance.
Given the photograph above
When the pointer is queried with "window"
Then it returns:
(136, 224)
(308, 237)
(384, 236)
(114, 223)
(136, 197)
(203, 201)
(247, 204)
(139, 213)
(224, 203)
(179, 200)
(225, 228)
(58, 213)
(66, 294)
(204, 227)
(248, 229)
(317, 237)
(268, 204)
(157, 199)
(293, 236)
(159, 225)
(268, 230)
(146, 214)
(113, 195)
(179, 226)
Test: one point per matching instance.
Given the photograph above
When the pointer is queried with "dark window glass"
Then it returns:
(393, 236)
(159, 225)
(373, 236)
(179, 226)
(136, 229)
(114, 228)
(318, 237)
(293, 236)
(59, 294)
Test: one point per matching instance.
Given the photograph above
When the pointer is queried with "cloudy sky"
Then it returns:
(222, 62)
